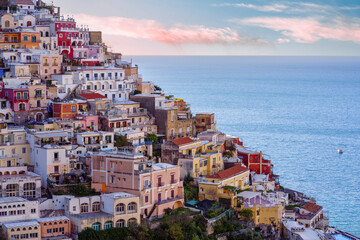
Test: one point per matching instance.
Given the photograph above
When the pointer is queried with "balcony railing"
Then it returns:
(161, 184)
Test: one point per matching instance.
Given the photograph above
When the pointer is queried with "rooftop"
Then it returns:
(12, 199)
(312, 207)
(230, 172)
(118, 195)
(92, 96)
(182, 141)
(304, 233)
(161, 166)
(50, 219)
(21, 224)
(23, 2)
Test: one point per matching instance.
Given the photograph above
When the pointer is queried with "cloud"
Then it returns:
(308, 30)
(289, 7)
(264, 8)
(283, 40)
(174, 35)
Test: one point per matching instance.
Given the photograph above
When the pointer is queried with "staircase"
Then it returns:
(152, 210)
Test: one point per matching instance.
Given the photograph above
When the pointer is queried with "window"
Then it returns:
(38, 103)
(112, 179)
(56, 156)
(172, 178)
(96, 207)
(132, 221)
(120, 208)
(25, 38)
(159, 197)
(73, 108)
(33, 39)
(84, 208)
(102, 164)
(132, 207)
(23, 150)
(18, 95)
(108, 224)
(33, 210)
(25, 95)
(120, 223)
(96, 226)
(146, 199)
(74, 208)
(29, 190)
(12, 190)
(112, 164)
(49, 230)
(7, 24)
(172, 194)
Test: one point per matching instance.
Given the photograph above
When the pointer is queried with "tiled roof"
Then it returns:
(312, 207)
(23, 2)
(92, 95)
(182, 141)
(230, 172)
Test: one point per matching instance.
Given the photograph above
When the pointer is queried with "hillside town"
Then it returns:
(88, 145)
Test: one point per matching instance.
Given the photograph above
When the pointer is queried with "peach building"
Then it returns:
(158, 185)
(55, 227)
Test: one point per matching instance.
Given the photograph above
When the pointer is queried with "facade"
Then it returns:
(93, 141)
(22, 230)
(158, 185)
(136, 140)
(205, 121)
(18, 209)
(19, 103)
(117, 209)
(18, 182)
(14, 147)
(37, 102)
(254, 161)
(311, 215)
(222, 186)
(58, 227)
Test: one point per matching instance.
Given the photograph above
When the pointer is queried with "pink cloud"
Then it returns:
(308, 30)
(262, 8)
(152, 30)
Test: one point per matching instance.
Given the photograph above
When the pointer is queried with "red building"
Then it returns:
(18, 99)
(255, 161)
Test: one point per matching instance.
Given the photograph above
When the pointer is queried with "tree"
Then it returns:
(152, 138)
(120, 141)
(246, 213)
(169, 97)
(137, 92)
(188, 178)
(157, 88)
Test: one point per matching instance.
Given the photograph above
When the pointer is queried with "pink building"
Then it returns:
(87, 122)
(158, 185)
(18, 99)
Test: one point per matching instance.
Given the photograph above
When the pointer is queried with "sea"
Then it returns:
(297, 110)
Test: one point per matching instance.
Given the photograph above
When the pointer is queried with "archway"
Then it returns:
(177, 204)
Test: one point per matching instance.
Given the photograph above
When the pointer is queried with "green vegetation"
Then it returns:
(152, 138)
(246, 213)
(292, 207)
(190, 192)
(120, 141)
(177, 224)
(137, 92)
(169, 97)
(78, 190)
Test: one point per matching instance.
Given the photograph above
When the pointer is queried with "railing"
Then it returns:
(9, 156)
(56, 159)
(161, 184)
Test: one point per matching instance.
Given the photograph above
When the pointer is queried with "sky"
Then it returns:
(214, 27)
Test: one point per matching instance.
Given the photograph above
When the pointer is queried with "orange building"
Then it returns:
(55, 227)
(30, 39)
(9, 40)
(65, 110)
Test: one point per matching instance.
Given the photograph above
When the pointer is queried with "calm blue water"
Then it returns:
(299, 110)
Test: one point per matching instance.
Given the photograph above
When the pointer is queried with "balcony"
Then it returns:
(170, 200)
(56, 159)
(39, 96)
(161, 184)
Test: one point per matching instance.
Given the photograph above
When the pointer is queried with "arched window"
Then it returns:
(120, 208)
(132, 207)
(96, 207)
(7, 23)
(46, 34)
(28, 23)
(22, 106)
(96, 226)
(84, 208)
(29, 190)
(132, 221)
(41, 34)
(108, 224)
(120, 223)
(12, 190)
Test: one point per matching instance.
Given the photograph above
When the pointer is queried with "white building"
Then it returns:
(23, 184)
(95, 140)
(108, 81)
(18, 209)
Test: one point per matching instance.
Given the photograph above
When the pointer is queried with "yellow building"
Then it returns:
(265, 210)
(223, 186)
(13, 146)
